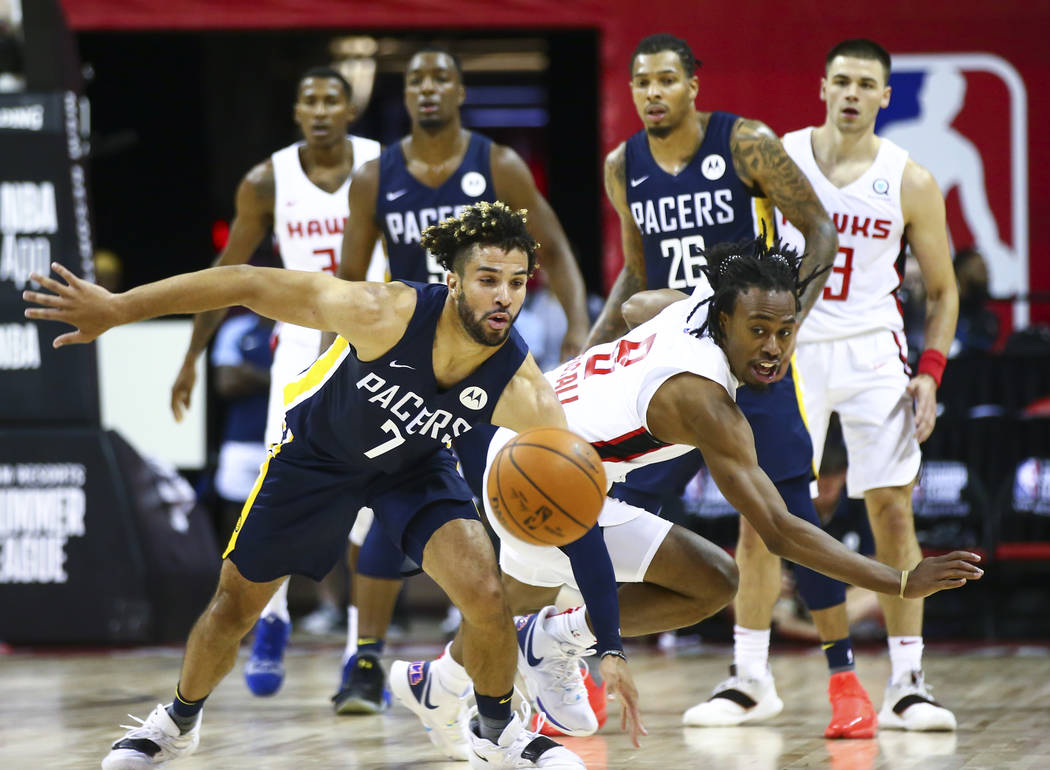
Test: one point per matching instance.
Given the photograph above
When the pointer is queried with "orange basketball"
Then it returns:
(547, 486)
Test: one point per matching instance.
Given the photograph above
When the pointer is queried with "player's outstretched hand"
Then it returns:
(181, 389)
(618, 679)
(572, 343)
(85, 306)
(923, 391)
(936, 573)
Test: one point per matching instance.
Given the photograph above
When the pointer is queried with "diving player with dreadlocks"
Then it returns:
(666, 387)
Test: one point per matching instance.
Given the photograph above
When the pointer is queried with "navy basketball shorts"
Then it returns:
(301, 510)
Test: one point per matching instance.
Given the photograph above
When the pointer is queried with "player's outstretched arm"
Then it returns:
(644, 305)
(515, 186)
(528, 401)
(926, 234)
(762, 164)
(699, 412)
(371, 316)
(253, 217)
(632, 279)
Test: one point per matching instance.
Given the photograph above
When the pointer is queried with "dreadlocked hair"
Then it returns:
(735, 268)
(484, 223)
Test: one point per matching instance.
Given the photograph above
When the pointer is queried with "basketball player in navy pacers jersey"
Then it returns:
(368, 424)
(430, 175)
(300, 192)
(688, 180)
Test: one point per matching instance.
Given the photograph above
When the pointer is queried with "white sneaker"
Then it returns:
(152, 743)
(553, 677)
(442, 713)
(735, 701)
(518, 747)
(909, 705)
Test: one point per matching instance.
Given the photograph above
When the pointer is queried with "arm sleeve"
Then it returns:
(593, 570)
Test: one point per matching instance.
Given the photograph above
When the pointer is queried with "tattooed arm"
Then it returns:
(763, 165)
(610, 323)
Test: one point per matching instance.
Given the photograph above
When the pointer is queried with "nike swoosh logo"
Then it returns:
(636, 182)
(396, 365)
(505, 700)
(909, 642)
(426, 695)
(532, 661)
(393, 196)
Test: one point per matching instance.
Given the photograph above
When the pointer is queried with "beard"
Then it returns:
(660, 132)
(476, 328)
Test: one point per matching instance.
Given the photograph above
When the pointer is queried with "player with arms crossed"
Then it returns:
(661, 390)
(300, 193)
(367, 424)
(852, 353)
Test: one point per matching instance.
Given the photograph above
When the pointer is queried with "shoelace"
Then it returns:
(566, 672)
(144, 729)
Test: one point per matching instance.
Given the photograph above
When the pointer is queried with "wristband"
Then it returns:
(617, 653)
(904, 581)
(932, 362)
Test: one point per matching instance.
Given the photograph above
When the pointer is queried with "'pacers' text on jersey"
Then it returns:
(405, 207)
(681, 214)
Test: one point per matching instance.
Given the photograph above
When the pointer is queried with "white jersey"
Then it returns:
(606, 390)
(860, 295)
(308, 223)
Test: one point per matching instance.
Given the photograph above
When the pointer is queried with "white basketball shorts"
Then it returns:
(863, 379)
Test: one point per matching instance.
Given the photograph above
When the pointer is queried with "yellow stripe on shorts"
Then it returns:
(797, 378)
(273, 451)
(765, 219)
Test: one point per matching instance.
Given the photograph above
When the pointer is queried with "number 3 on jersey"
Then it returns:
(844, 268)
(686, 260)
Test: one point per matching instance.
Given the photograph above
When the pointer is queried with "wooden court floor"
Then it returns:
(62, 710)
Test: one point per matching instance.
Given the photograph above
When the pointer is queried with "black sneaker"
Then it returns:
(363, 690)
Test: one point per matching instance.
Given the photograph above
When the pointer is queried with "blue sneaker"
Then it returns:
(264, 671)
(363, 688)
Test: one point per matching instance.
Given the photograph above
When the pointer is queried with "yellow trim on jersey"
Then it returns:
(765, 217)
(796, 378)
(319, 371)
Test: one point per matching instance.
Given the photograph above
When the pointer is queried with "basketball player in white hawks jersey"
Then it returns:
(301, 193)
(852, 354)
(666, 387)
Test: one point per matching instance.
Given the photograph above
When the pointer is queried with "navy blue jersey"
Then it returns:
(385, 416)
(680, 214)
(405, 207)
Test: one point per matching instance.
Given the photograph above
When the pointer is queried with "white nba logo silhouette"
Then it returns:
(956, 162)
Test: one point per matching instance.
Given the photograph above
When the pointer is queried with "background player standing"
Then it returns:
(852, 352)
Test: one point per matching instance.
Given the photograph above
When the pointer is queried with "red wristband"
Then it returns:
(932, 362)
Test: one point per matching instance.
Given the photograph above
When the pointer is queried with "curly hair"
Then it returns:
(733, 269)
(484, 223)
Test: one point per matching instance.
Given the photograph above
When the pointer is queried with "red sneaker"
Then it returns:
(596, 697)
(852, 715)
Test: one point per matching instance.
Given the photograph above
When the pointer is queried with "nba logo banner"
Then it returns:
(964, 117)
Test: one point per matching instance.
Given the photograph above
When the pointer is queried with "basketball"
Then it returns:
(547, 486)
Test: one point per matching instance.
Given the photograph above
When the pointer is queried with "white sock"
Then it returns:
(571, 627)
(905, 655)
(450, 674)
(278, 604)
(351, 633)
(751, 652)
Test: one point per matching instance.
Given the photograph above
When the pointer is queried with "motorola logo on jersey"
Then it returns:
(713, 167)
(881, 186)
(964, 116)
(474, 398)
(684, 212)
(473, 184)
(407, 227)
